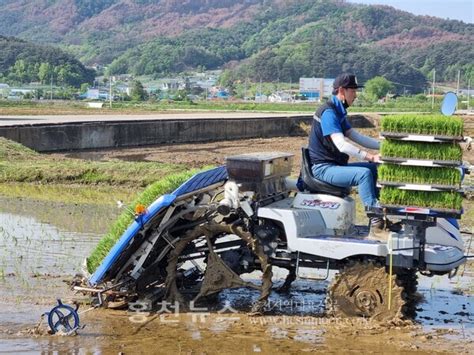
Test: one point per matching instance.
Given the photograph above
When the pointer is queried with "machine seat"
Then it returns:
(314, 185)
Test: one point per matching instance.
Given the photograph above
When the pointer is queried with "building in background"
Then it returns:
(97, 94)
(314, 89)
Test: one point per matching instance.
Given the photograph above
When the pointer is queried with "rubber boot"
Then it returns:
(393, 227)
(378, 231)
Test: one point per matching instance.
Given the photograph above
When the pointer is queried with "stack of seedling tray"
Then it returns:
(422, 159)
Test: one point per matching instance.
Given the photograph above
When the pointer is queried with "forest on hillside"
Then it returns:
(316, 39)
(25, 62)
(257, 40)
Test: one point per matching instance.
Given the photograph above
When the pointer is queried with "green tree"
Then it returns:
(64, 74)
(378, 87)
(39, 93)
(84, 87)
(20, 70)
(468, 73)
(44, 72)
(228, 80)
(138, 92)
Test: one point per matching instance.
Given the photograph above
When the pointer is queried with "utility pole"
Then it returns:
(245, 89)
(51, 87)
(468, 94)
(459, 75)
(433, 89)
(110, 91)
(291, 92)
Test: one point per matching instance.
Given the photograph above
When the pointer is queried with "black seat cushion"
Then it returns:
(314, 185)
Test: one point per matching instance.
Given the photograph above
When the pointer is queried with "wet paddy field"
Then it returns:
(43, 245)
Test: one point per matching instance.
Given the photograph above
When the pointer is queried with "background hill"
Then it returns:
(24, 62)
(264, 40)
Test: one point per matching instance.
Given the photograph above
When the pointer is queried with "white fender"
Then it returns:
(444, 233)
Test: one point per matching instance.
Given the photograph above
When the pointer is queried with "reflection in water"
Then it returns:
(29, 248)
(35, 258)
(70, 217)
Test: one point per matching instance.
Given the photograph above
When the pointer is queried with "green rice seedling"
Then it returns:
(419, 175)
(437, 125)
(148, 196)
(421, 150)
(434, 200)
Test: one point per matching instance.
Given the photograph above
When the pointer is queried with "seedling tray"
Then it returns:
(428, 125)
(436, 212)
(421, 138)
(420, 162)
(419, 187)
(420, 175)
(451, 200)
(397, 149)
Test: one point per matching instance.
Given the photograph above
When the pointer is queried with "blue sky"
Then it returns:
(462, 10)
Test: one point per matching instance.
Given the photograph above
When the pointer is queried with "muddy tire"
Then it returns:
(215, 275)
(362, 290)
(408, 280)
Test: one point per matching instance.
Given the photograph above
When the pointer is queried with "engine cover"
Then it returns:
(338, 213)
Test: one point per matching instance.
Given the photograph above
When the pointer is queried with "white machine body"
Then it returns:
(323, 225)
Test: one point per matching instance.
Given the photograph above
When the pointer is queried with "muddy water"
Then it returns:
(42, 245)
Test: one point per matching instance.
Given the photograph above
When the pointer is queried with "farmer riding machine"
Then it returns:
(249, 215)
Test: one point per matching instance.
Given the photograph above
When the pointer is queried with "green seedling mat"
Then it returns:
(432, 125)
(423, 151)
(394, 149)
(420, 175)
(434, 200)
(150, 194)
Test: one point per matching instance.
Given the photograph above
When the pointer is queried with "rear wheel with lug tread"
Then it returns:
(361, 289)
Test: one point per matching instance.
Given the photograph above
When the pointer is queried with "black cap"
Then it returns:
(347, 81)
